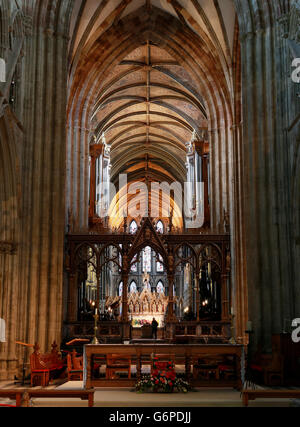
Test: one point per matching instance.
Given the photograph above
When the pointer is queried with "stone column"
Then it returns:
(72, 298)
(266, 192)
(205, 160)
(197, 297)
(95, 152)
(43, 179)
(171, 316)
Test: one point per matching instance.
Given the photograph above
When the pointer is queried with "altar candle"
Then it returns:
(96, 311)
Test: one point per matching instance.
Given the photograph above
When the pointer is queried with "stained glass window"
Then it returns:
(160, 227)
(133, 227)
(159, 264)
(134, 266)
(147, 259)
(120, 289)
(160, 288)
(133, 287)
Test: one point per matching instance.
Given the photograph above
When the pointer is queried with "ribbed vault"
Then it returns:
(147, 76)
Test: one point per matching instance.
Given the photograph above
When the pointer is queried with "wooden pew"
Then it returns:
(13, 395)
(269, 394)
(79, 394)
(23, 396)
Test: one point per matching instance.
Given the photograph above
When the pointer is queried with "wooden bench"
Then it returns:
(13, 395)
(23, 396)
(79, 394)
(271, 394)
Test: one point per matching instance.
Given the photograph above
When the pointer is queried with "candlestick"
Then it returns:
(232, 339)
(209, 269)
(95, 340)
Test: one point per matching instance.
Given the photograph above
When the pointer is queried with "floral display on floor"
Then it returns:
(163, 379)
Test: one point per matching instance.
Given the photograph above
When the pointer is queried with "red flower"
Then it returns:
(171, 384)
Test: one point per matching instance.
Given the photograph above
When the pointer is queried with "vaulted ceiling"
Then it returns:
(145, 100)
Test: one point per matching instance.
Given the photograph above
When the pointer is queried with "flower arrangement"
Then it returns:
(140, 322)
(162, 380)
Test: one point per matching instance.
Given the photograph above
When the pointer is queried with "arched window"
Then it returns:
(120, 260)
(159, 264)
(160, 227)
(147, 259)
(120, 289)
(2, 70)
(133, 227)
(160, 287)
(133, 287)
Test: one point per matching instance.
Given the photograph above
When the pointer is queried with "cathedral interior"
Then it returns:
(149, 168)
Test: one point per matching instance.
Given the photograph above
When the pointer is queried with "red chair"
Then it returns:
(38, 369)
(74, 367)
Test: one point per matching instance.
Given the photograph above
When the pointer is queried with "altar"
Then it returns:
(145, 305)
(203, 365)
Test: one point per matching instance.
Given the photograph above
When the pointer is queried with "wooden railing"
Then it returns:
(23, 396)
(205, 330)
(111, 329)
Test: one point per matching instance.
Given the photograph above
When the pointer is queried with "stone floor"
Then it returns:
(126, 397)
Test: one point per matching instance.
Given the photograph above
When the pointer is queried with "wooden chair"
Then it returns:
(205, 369)
(273, 373)
(38, 369)
(74, 367)
(117, 363)
(268, 369)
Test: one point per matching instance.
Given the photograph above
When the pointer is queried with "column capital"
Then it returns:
(202, 147)
(96, 150)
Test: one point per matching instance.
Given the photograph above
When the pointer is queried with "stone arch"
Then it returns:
(84, 93)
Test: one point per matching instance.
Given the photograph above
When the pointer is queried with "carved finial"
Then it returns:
(226, 222)
(36, 348)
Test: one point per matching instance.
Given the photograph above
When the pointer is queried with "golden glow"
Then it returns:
(166, 206)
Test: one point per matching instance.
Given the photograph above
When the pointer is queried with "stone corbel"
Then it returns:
(294, 24)
(8, 248)
(284, 25)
